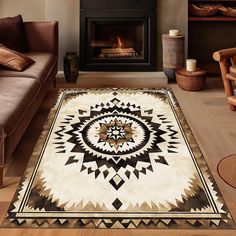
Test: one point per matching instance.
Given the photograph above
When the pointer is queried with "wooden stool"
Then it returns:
(191, 81)
(227, 170)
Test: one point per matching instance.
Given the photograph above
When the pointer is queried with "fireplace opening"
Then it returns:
(121, 38)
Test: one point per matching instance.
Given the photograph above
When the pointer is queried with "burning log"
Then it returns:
(118, 52)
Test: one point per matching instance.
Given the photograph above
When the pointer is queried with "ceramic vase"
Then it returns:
(71, 66)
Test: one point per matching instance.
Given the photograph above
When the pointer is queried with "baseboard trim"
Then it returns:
(116, 74)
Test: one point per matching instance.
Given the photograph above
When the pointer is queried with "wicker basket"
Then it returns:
(227, 11)
(203, 9)
(191, 81)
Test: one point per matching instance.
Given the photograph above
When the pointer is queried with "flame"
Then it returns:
(119, 41)
(118, 49)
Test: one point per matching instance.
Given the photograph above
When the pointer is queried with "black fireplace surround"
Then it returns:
(118, 35)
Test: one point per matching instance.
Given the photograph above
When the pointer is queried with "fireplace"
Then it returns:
(118, 35)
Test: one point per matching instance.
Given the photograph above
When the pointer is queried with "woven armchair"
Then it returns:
(227, 62)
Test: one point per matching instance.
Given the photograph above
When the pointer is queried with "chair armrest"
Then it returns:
(2, 137)
(42, 36)
(223, 54)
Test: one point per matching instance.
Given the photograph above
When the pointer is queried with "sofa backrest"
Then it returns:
(42, 36)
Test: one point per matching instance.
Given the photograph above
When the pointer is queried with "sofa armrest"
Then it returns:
(42, 36)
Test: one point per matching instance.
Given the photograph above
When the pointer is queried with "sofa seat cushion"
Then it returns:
(233, 71)
(44, 63)
(16, 94)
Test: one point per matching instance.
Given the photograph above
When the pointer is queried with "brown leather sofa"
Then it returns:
(21, 93)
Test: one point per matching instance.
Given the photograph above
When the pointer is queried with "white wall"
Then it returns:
(66, 12)
(29, 9)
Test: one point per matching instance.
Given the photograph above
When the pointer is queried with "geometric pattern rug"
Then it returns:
(117, 158)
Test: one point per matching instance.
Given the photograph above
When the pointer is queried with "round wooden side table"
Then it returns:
(227, 170)
(191, 81)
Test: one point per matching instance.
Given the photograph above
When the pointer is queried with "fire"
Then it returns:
(118, 50)
(119, 41)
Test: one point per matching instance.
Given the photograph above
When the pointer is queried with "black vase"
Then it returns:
(71, 66)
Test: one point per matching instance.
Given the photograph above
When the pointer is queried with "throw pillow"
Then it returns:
(10, 59)
(12, 33)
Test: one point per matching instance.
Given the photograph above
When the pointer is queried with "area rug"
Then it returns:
(117, 158)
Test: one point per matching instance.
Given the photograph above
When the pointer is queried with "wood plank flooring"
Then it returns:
(213, 125)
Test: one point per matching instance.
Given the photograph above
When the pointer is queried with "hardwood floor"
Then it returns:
(213, 125)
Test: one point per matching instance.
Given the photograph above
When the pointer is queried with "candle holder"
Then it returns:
(173, 55)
